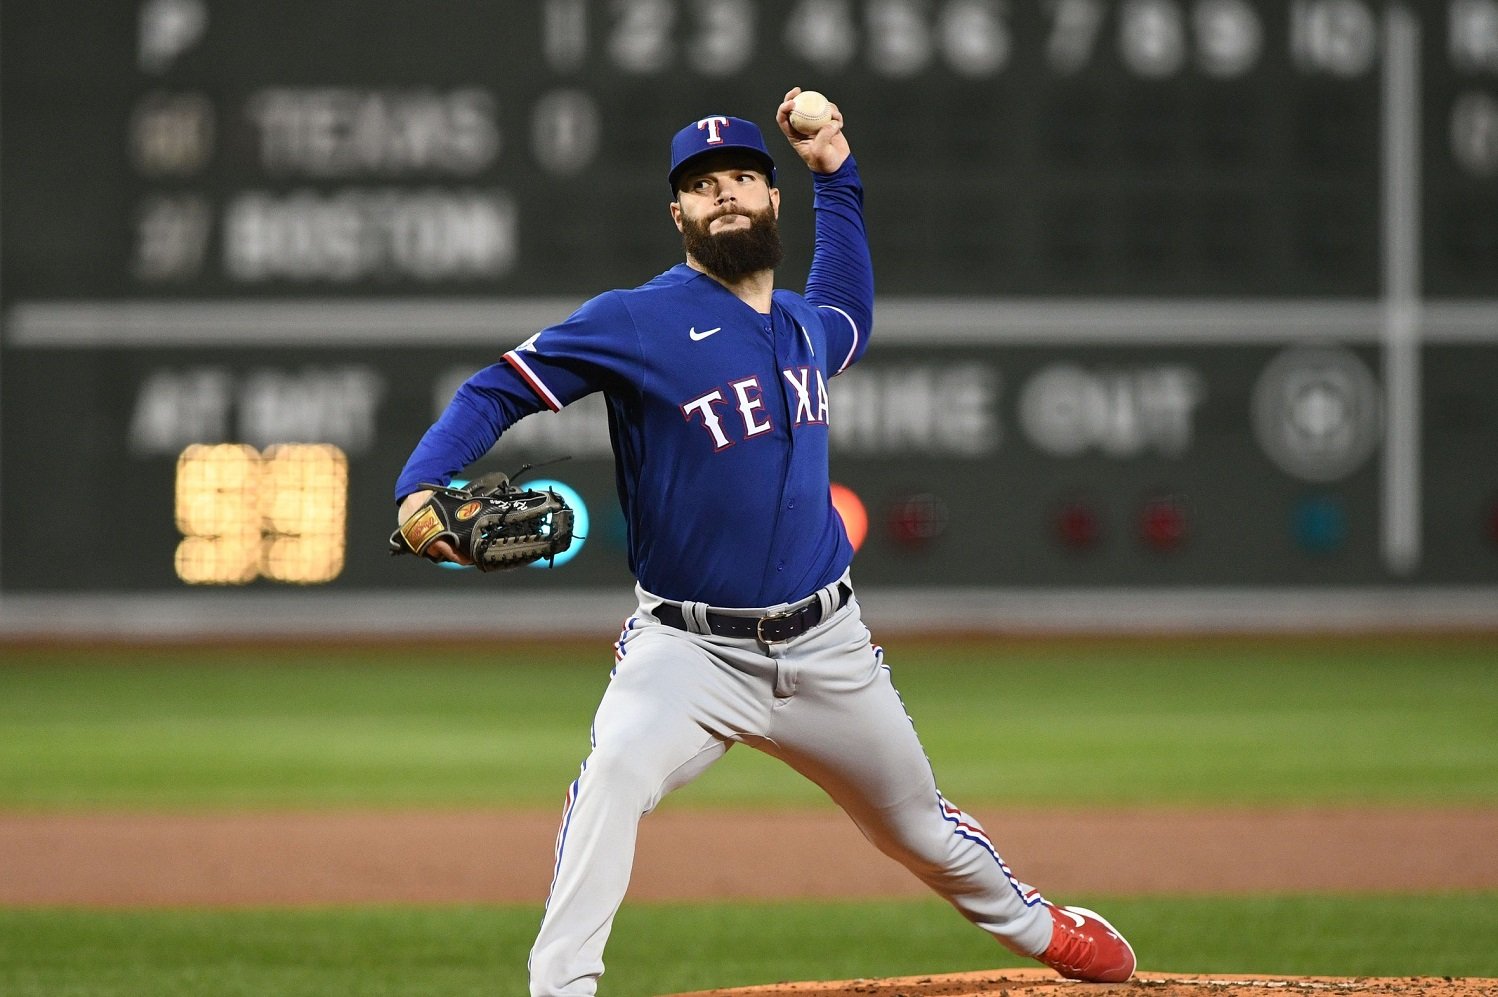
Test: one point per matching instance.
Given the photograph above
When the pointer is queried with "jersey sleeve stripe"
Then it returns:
(852, 350)
(541, 390)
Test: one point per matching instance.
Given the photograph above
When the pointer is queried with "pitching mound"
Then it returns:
(1044, 983)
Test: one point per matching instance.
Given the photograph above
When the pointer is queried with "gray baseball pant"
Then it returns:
(825, 705)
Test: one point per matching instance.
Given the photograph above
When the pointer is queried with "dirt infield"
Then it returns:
(1042, 983)
(218, 860)
(226, 860)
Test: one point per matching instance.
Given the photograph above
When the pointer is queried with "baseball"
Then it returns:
(810, 112)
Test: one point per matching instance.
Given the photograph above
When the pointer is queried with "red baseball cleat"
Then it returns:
(1084, 946)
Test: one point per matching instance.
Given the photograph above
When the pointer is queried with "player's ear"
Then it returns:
(676, 213)
(775, 200)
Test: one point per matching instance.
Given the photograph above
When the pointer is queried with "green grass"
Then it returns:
(656, 949)
(1069, 723)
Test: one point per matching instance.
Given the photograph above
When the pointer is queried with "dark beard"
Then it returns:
(732, 255)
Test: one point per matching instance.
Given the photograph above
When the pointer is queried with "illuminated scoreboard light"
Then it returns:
(246, 514)
(218, 514)
(853, 513)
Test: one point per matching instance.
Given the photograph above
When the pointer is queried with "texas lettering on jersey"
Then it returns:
(745, 397)
(717, 414)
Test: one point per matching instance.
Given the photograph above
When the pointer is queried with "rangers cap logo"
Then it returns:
(715, 132)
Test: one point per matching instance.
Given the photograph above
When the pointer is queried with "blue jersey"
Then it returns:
(718, 415)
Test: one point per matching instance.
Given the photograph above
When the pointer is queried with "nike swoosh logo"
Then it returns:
(1081, 921)
(698, 337)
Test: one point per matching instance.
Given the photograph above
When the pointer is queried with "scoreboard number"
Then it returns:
(245, 514)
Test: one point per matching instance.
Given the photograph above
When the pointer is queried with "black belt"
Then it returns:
(773, 628)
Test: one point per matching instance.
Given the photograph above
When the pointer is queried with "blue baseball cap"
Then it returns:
(715, 132)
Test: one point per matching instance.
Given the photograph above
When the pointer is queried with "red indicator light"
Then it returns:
(1078, 525)
(917, 520)
(1162, 524)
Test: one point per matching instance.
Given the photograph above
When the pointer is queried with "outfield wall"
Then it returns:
(1187, 317)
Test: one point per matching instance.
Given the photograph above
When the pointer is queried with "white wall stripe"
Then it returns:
(498, 324)
(1401, 276)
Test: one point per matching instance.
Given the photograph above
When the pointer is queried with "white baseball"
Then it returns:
(809, 112)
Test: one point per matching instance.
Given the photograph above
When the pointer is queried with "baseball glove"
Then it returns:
(496, 524)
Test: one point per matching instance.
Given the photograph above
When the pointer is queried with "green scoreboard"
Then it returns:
(1192, 295)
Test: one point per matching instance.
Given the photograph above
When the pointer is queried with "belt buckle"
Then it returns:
(759, 626)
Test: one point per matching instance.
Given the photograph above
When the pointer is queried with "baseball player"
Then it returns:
(747, 629)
